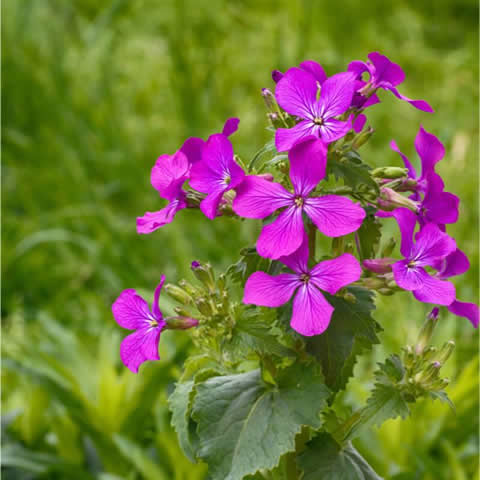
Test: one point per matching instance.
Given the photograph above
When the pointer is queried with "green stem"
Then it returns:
(312, 230)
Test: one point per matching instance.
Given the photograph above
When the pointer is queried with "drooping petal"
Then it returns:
(155, 308)
(209, 205)
(334, 215)
(270, 291)
(454, 264)
(418, 104)
(231, 126)
(336, 94)
(311, 312)
(153, 220)
(296, 93)
(431, 244)
(298, 260)
(409, 277)
(283, 236)
(429, 149)
(411, 170)
(169, 173)
(441, 208)
(139, 347)
(259, 198)
(466, 310)
(192, 148)
(438, 292)
(286, 138)
(387, 73)
(407, 221)
(334, 129)
(131, 311)
(315, 69)
(332, 275)
(308, 163)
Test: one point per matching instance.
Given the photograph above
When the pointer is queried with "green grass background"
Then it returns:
(93, 92)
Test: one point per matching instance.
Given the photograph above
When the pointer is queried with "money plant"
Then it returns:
(276, 336)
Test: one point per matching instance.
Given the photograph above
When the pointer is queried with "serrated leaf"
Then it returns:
(352, 331)
(352, 170)
(444, 398)
(324, 459)
(245, 425)
(368, 235)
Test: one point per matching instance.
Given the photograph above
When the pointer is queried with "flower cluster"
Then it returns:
(315, 118)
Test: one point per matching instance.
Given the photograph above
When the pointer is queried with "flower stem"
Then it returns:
(312, 230)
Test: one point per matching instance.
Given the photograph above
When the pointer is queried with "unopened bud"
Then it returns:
(181, 323)
(204, 306)
(182, 312)
(268, 98)
(221, 282)
(373, 283)
(389, 172)
(408, 185)
(362, 138)
(429, 374)
(178, 294)
(189, 288)
(277, 75)
(409, 356)
(388, 248)
(426, 331)
(204, 273)
(390, 200)
(446, 351)
(428, 353)
(379, 265)
(387, 292)
(266, 176)
(275, 119)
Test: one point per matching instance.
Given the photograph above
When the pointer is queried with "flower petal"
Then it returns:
(407, 221)
(192, 148)
(283, 236)
(386, 72)
(139, 347)
(336, 94)
(332, 275)
(155, 308)
(433, 290)
(418, 104)
(308, 163)
(315, 69)
(131, 311)
(333, 129)
(334, 215)
(441, 208)
(359, 123)
(466, 310)
(411, 170)
(270, 291)
(409, 277)
(311, 312)
(296, 93)
(259, 198)
(298, 260)
(209, 205)
(431, 244)
(153, 220)
(286, 138)
(277, 75)
(231, 126)
(429, 149)
(169, 173)
(358, 68)
(454, 264)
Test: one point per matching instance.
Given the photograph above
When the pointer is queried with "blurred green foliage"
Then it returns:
(93, 91)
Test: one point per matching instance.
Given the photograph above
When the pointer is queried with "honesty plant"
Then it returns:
(277, 335)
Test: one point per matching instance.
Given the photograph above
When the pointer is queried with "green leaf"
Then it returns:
(249, 262)
(352, 331)
(245, 425)
(368, 235)
(258, 159)
(180, 402)
(324, 459)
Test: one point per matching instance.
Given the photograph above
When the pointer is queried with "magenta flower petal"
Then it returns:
(454, 264)
(431, 244)
(466, 310)
(308, 163)
(311, 312)
(429, 149)
(315, 69)
(286, 138)
(433, 290)
(298, 260)
(411, 170)
(259, 198)
(153, 220)
(192, 148)
(333, 129)
(359, 123)
(231, 126)
(334, 215)
(441, 208)
(169, 173)
(358, 68)
(209, 205)
(155, 308)
(407, 221)
(336, 94)
(283, 236)
(277, 75)
(270, 291)
(139, 347)
(418, 104)
(332, 275)
(296, 93)
(386, 73)
(131, 311)
(409, 277)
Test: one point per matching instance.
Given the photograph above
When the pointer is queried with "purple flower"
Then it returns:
(297, 92)
(311, 311)
(258, 198)
(131, 311)
(430, 247)
(216, 173)
(308, 66)
(384, 74)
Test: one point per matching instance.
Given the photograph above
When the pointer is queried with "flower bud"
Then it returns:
(221, 282)
(388, 248)
(181, 311)
(390, 200)
(387, 292)
(389, 172)
(268, 98)
(446, 351)
(178, 294)
(189, 288)
(374, 283)
(204, 306)
(274, 119)
(426, 331)
(204, 273)
(428, 353)
(379, 265)
(181, 323)
(193, 199)
(362, 138)
(429, 374)
(409, 356)
(266, 176)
